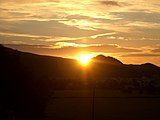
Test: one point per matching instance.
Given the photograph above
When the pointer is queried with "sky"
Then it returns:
(128, 30)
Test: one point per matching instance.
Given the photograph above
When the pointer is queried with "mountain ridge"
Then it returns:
(101, 56)
(103, 66)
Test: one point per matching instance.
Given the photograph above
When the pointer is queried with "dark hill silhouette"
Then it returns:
(28, 80)
(107, 60)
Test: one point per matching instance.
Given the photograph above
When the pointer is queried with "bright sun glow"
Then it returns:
(85, 59)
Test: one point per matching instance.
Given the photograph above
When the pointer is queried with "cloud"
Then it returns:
(110, 3)
(141, 55)
(156, 50)
(27, 1)
(101, 35)
(10, 38)
(111, 48)
(46, 28)
(142, 16)
(71, 49)
(23, 35)
(62, 20)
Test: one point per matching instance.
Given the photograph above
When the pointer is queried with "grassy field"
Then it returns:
(77, 105)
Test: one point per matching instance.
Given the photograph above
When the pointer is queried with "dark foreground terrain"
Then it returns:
(77, 105)
(35, 87)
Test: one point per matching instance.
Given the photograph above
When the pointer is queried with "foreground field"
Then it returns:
(77, 105)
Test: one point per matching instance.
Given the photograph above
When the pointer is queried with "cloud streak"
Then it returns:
(110, 3)
(62, 48)
(157, 50)
(142, 55)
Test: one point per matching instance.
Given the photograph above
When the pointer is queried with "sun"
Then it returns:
(85, 59)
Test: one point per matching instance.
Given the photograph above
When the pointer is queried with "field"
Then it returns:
(78, 105)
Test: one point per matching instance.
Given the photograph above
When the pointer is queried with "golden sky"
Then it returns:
(126, 29)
